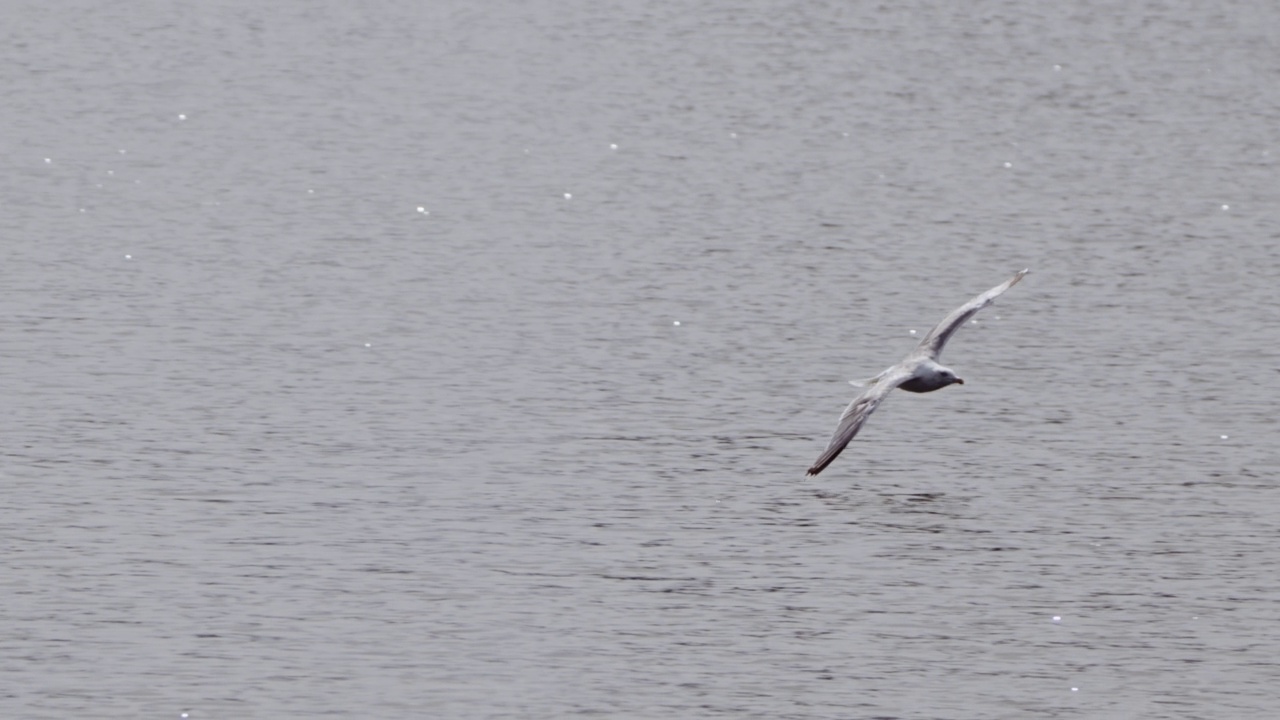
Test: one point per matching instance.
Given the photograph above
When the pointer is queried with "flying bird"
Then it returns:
(919, 372)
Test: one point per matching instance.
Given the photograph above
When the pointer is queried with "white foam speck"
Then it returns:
(1224, 437)
(48, 160)
(675, 322)
(613, 146)
(1226, 207)
(1057, 618)
(182, 116)
(128, 257)
(1008, 164)
(913, 332)
(568, 196)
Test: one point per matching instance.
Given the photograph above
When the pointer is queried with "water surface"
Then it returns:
(448, 361)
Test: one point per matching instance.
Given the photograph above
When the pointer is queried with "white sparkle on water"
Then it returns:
(1008, 164)
(1224, 437)
(1057, 618)
(568, 196)
(1226, 207)
(675, 322)
(423, 210)
(613, 146)
(181, 116)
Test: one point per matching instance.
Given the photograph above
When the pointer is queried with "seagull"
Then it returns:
(919, 372)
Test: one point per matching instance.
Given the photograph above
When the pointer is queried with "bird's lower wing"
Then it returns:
(856, 415)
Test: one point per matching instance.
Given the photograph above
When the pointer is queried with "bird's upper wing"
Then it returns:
(932, 344)
(857, 413)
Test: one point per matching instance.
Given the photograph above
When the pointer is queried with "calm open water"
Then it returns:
(457, 360)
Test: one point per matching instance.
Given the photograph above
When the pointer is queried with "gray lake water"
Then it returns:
(456, 360)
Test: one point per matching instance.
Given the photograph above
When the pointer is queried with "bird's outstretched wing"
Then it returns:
(932, 344)
(857, 413)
